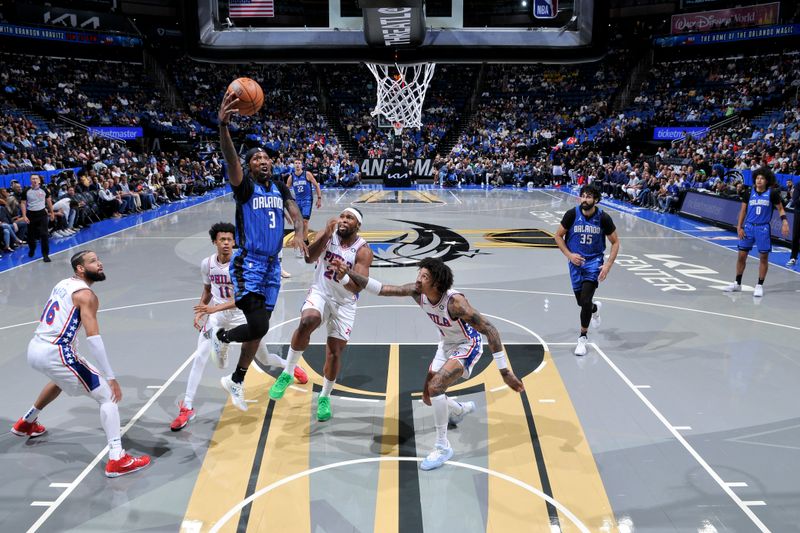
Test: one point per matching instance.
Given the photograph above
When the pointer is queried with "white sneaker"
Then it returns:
(219, 349)
(596, 315)
(580, 349)
(236, 391)
(733, 287)
(439, 456)
(758, 292)
(466, 408)
(791, 262)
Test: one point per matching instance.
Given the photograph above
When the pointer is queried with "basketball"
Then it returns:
(250, 95)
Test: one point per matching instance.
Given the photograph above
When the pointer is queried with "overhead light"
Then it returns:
(524, 3)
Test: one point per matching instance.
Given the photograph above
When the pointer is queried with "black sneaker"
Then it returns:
(46, 259)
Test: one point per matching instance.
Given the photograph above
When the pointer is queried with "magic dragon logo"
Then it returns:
(407, 248)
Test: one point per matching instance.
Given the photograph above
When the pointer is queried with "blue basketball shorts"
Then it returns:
(589, 271)
(758, 234)
(256, 274)
(305, 209)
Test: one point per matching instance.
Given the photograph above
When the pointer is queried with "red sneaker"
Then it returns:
(183, 418)
(127, 464)
(28, 429)
(300, 375)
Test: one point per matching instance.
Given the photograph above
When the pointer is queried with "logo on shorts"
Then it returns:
(408, 248)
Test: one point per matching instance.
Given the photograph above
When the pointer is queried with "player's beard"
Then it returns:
(586, 207)
(95, 276)
(346, 233)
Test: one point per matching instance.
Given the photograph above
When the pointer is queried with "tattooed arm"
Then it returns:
(362, 281)
(459, 307)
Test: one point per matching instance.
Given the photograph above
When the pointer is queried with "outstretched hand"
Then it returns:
(340, 267)
(513, 382)
(230, 104)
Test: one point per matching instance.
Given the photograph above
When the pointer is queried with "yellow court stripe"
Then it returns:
(286, 509)
(387, 512)
(222, 480)
(574, 478)
(510, 452)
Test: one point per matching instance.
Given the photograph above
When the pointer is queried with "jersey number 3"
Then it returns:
(586, 238)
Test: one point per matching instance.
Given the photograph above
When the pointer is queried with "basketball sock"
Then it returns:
(292, 358)
(238, 375)
(453, 406)
(440, 416)
(195, 375)
(327, 386)
(583, 333)
(739, 279)
(109, 419)
(32, 414)
(760, 281)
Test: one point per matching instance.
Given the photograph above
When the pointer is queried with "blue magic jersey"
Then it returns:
(586, 236)
(259, 216)
(759, 207)
(302, 188)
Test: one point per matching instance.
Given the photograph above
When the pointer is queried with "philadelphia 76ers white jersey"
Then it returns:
(325, 280)
(454, 331)
(61, 320)
(216, 274)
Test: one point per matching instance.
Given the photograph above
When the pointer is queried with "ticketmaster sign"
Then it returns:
(123, 134)
(670, 134)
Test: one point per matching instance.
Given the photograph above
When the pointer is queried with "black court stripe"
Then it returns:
(540, 464)
(408, 479)
(244, 517)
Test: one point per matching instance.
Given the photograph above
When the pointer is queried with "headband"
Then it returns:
(354, 213)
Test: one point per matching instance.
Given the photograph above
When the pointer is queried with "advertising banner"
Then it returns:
(671, 133)
(745, 34)
(67, 36)
(704, 21)
(121, 133)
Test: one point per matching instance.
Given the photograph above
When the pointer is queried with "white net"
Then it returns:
(401, 92)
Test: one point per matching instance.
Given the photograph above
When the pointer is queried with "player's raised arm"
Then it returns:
(316, 248)
(459, 307)
(372, 285)
(229, 104)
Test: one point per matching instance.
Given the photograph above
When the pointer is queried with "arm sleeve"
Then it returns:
(568, 219)
(98, 351)
(606, 224)
(244, 190)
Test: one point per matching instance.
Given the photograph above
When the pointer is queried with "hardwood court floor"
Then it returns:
(682, 417)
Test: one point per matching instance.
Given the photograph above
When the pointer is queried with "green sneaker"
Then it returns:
(323, 408)
(279, 387)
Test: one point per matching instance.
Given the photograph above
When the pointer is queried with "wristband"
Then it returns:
(374, 286)
(98, 351)
(345, 280)
(783, 217)
(500, 360)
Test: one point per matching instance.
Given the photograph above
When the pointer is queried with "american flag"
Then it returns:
(252, 8)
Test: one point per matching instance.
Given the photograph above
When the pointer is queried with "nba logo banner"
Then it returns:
(545, 9)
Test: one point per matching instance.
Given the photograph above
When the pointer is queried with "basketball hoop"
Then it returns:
(401, 93)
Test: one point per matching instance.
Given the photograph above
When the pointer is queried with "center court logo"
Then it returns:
(408, 248)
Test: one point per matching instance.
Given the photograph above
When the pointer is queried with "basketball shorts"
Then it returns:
(305, 209)
(589, 271)
(467, 354)
(228, 319)
(73, 374)
(337, 317)
(758, 234)
(257, 274)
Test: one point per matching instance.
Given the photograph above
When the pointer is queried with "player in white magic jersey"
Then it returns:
(331, 299)
(218, 310)
(460, 326)
(53, 352)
